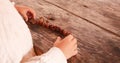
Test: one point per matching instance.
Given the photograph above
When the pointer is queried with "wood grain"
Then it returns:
(102, 13)
(95, 44)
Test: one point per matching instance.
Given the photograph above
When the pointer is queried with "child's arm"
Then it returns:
(26, 12)
(63, 49)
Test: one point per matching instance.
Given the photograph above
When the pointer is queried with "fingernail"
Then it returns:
(58, 37)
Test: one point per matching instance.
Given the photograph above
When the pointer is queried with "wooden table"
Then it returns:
(95, 23)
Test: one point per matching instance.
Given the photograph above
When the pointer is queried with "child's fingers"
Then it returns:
(57, 41)
(75, 46)
(24, 14)
(74, 40)
(32, 12)
(75, 49)
(75, 52)
(69, 37)
(29, 14)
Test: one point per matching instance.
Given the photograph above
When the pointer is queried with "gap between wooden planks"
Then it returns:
(95, 44)
(92, 14)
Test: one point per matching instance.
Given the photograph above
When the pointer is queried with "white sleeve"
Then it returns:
(54, 55)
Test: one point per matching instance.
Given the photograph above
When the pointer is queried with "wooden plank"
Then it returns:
(95, 44)
(102, 13)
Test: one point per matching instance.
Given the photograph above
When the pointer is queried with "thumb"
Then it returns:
(25, 16)
(57, 40)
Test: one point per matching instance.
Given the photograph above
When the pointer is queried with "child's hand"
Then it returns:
(26, 12)
(68, 45)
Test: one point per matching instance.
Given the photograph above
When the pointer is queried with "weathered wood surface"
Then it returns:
(102, 13)
(95, 43)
